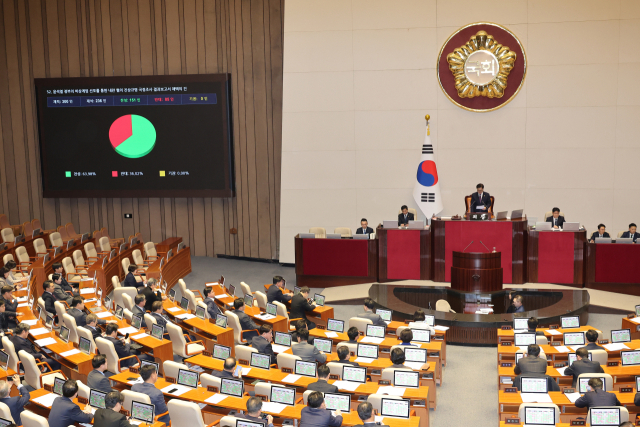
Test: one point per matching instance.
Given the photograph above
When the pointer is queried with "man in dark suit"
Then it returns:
(592, 338)
(364, 227)
(368, 417)
(322, 384)
(300, 305)
(263, 342)
(4, 318)
(631, 233)
(96, 378)
(228, 369)
(11, 305)
(369, 314)
(597, 396)
(148, 387)
(139, 303)
(405, 216)
(64, 412)
(151, 294)
(254, 412)
(517, 306)
(122, 347)
(532, 327)
(353, 335)
(212, 307)
(583, 365)
(316, 414)
(480, 200)
(246, 323)
(305, 351)
(274, 293)
(62, 292)
(343, 356)
(58, 269)
(48, 297)
(132, 281)
(77, 312)
(600, 233)
(110, 416)
(556, 220)
(15, 403)
(531, 363)
(92, 325)
(20, 342)
(156, 313)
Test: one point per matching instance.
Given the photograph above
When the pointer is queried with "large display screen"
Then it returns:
(145, 136)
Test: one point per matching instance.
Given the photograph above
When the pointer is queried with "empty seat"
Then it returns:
(56, 239)
(320, 232)
(343, 231)
(7, 235)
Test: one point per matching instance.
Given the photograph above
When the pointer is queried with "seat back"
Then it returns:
(39, 246)
(78, 259)
(261, 300)
(608, 380)
(4, 221)
(104, 244)
(620, 233)
(207, 380)
(185, 413)
(60, 309)
(67, 265)
(387, 373)
(7, 235)
(287, 361)
(127, 314)
(243, 352)
(170, 368)
(203, 305)
(335, 369)
(106, 347)
(115, 282)
(246, 289)
(43, 310)
(360, 323)
(192, 299)
(31, 371)
(376, 400)
(150, 249)
(22, 255)
(344, 231)
(600, 356)
(137, 257)
(264, 389)
(35, 223)
(29, 419)
(83, 390)
(5, 412)
(7, 258)
(320, 232)
(120, 291)
(127, 300)
(125, 265)
(281, 310)
(624, 413)
(90, 250)
(130, 396)
(63, 233)
(27, 229)
(70, 322)
(541, 340)
(70, 230)
(85, 333)
(234, 323)
(11, 351)
(56, 239)
(182, 286)
(149, 320)
(177, 339)
(443, 305)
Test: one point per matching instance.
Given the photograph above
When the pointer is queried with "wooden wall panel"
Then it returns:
(74, 38)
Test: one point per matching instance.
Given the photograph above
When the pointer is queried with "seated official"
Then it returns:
(131, 280)
(246, 323)
(4, 319)
(254, 412)
(353, 335)
(406, 336)
(316, 414)
(631, 233)
(77, 312)
(368, 416)
(59, 269)
(110, 415)
(480, 200)
(532, 327)
(149, 376)
(20, 340)
(6, 273)
(212, 307)
(531, 363)
(300, 305)
(322, 384)
(151, 294)
(592, 339)
(596, 396)
(64, 412)
(11, 305)
(123, 346)
(517, 306)
(276, 291)
(344, 354)
(600, 233)
(96, 378)
(419, 322)
(364, 227)
(48, 298)
(92, 325)
(369, 314)
(405, 216)
(139, 303)
(263, 342)
(16, 403)
(583, 365)
(556, 220)
(61, 291)
(298, 325)
(304, 350)
(397, 358)
(228, 369)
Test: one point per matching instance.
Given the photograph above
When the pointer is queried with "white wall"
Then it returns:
(359, 76)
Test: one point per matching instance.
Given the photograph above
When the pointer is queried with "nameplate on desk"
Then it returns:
(286, 370)
(262, 397)
(555, 343)
(506, 365)
(512, 421)
(48, 387)
(638, 422)
(631, 315)
(334, 377)
(384, 382)
(568, 390)
(133, 370)
(626, 389)
(321, 327)
(170, 380)
(612, 363)
(511, 390)
(419, 403)
(603, 342)
(212, 389)
(243, 362)
(506, 343)
(558, 365)
(554, 326)
(83, 400)
(206, 353)
(506, 328)
(578, 422)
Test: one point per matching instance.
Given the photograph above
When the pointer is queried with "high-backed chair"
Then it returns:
(180, 345)
(522, 407)
(608, 380)
(183, 289)
(40, 247)
(80, 264)
(210, 380)
(125, 267)
(56, 239)
(443, 305)
(118, 292)
(127, 300)
(149, 320)
(203, 305)
(32, 374)
(467, 204)
(620, 233)
(113, 242)
(29, 419)
(243, 352)
(139, 261)
(22, 257)
(63, 233)
(115, 282)
(281, 310)
(151, 252)
(171, 368)
(246, 289)
(71, 232)
(600, 356)
(14, 362)
(7, 235)
(624, 413)
(549, 214)
(360, 323)
(4, 223)
(60, 309)
(287, 361)
(92, 254)
(335, 368)
(185, 413)
(130, 396)
(19, 271)
(83, 390)
(320, 232)
(234, 323)
(114, 363)
(5, 412)
(35, 223)
(193, 301)
(261, 299)
(105, 247)
(85, 333)
(343, 231)
(70, 270)
(70, 322)
(542, 340)
(43, 310)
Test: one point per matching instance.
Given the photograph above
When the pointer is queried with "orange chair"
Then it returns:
(35, 223)
(71, 231)
(97, 235)
(467, 204)
(113, 242)
(63, 233)
(4, 223)
(27, 229)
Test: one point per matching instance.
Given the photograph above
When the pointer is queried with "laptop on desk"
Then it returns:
(603, 239)
(334, 236)
(502, 215)
(571, 226)
(390, 224)
(625, 240)
(416, 225)
(543, 226)
(517, 214)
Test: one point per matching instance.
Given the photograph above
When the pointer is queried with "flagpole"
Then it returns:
(427, 117)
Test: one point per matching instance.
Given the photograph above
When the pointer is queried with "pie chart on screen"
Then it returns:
(132, 136)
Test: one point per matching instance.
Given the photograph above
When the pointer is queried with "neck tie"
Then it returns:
(555, 221)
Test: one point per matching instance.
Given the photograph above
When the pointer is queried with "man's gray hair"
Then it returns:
(5, 387)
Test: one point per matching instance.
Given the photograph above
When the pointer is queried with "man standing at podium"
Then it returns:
(364, 227)
(480, 201)
(556, 220)
(405, 216)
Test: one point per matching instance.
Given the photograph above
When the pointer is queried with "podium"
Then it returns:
(474, 271)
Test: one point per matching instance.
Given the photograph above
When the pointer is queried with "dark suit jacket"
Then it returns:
(403, 220)
(64, 413)
(263, 346)
(150, 297)
(61, 295)
(299, 307)
(123, 350)
(110, 418)
(223, 374)
(99, 381)
(531, 365)
(49, 299)
(636, 399)
(627, 235)
(375, 318)
(131, 282)
(23, 344)
(16, 404)
(323, 386)
(559, 222)
(245, 321)
(597, 398)
(597, 234)
(308, 352)
(96, 332)
(10, 311)
(160, 320)
(346, 362)
(157, 398)
(212, 307)
(584, 366)
(369, 230)
(274, 293)
(317, 417)
(512, 309)
(593, 346)
(81, 317)
(475, 202)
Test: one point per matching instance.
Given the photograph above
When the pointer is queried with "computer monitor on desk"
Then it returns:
(307, 236)
(390, 224)
(604, 416)
(543, 226)
(571, 226)
(626, 240)
(539, 416)
(603, 239)
(416, 225)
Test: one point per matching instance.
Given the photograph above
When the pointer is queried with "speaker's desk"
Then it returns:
(556, 257)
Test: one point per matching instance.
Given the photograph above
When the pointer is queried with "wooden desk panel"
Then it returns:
(621, 275)
(426, 270)
(551, 241)
(170, 243)
(178, 266)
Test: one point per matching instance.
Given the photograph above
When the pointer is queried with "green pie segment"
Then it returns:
(141, 141)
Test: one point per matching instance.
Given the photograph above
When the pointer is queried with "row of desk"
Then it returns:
(527, 255)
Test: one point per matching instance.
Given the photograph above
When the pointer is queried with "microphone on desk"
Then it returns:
(485, 246)
(468, 246)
